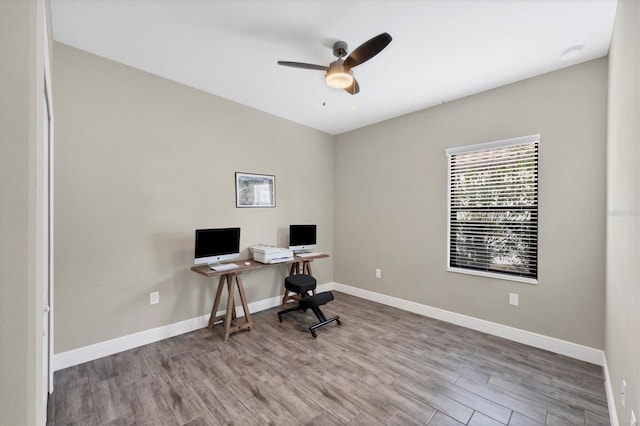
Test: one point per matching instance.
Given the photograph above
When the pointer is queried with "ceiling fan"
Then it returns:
(338, 73)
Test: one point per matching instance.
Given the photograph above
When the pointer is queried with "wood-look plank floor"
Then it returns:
(383, 366)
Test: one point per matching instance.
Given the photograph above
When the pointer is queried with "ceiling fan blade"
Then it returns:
(303, 65)
(354, 89)
(367, 50)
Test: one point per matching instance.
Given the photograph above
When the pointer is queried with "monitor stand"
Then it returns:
(214, 264)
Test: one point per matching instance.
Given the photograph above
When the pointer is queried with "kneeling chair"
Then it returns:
(303, 284)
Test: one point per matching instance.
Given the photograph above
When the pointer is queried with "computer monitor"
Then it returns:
(302, 238)
(213, 246)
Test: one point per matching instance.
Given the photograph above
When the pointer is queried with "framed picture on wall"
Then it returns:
(254, 190)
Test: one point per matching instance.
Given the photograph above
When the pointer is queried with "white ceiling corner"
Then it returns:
(441, 49)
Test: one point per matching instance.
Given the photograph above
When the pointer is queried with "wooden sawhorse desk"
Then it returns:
(232, 279)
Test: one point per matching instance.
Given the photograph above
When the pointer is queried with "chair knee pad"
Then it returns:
(319, 299)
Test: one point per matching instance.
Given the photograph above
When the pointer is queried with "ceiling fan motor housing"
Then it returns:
(340, 49)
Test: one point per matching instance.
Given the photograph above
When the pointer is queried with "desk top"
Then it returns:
(208, 272)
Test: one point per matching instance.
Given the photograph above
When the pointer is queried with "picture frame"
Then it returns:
(255, 190)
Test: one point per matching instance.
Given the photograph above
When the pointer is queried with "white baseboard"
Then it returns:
(109, 347)
(584, 353)
(573, 350)
(611, 397)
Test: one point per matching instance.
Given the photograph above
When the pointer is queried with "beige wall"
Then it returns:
(141, 162)
(391, 194)
(22, 96)
(623, 210)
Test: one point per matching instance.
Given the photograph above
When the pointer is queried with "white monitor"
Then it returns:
(302, 238)
(213, 246)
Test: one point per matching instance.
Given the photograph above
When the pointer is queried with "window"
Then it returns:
(493, 209)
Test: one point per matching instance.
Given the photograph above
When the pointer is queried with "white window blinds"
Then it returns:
(493, 208)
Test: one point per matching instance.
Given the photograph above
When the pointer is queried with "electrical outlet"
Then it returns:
(633, 422)
(378, 273)
(154, 297)
(513, 299)
(623, 394)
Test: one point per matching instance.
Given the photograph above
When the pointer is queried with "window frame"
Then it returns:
(523, 140)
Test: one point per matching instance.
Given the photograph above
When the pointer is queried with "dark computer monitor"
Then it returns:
(302, 238)
(213, 246)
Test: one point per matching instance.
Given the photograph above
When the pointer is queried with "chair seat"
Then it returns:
(300, 283)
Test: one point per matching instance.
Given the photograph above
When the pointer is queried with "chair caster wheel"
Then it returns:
(280, 318)
(313, 333)
(338, 322)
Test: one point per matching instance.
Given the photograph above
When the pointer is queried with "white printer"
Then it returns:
(268, 254)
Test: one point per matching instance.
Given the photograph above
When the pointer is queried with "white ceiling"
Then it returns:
(441, 49)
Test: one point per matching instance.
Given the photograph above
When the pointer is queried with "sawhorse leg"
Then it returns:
(232, 281)
(213, 318)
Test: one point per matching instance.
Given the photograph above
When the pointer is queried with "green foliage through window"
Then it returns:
(493, 208)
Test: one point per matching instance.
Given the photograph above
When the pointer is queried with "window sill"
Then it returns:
(494, 275)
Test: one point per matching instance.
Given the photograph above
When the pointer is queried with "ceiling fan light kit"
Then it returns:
(338, 73)
(339, 78)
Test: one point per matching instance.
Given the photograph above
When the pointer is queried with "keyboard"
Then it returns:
(303, 255)
(223, 266)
